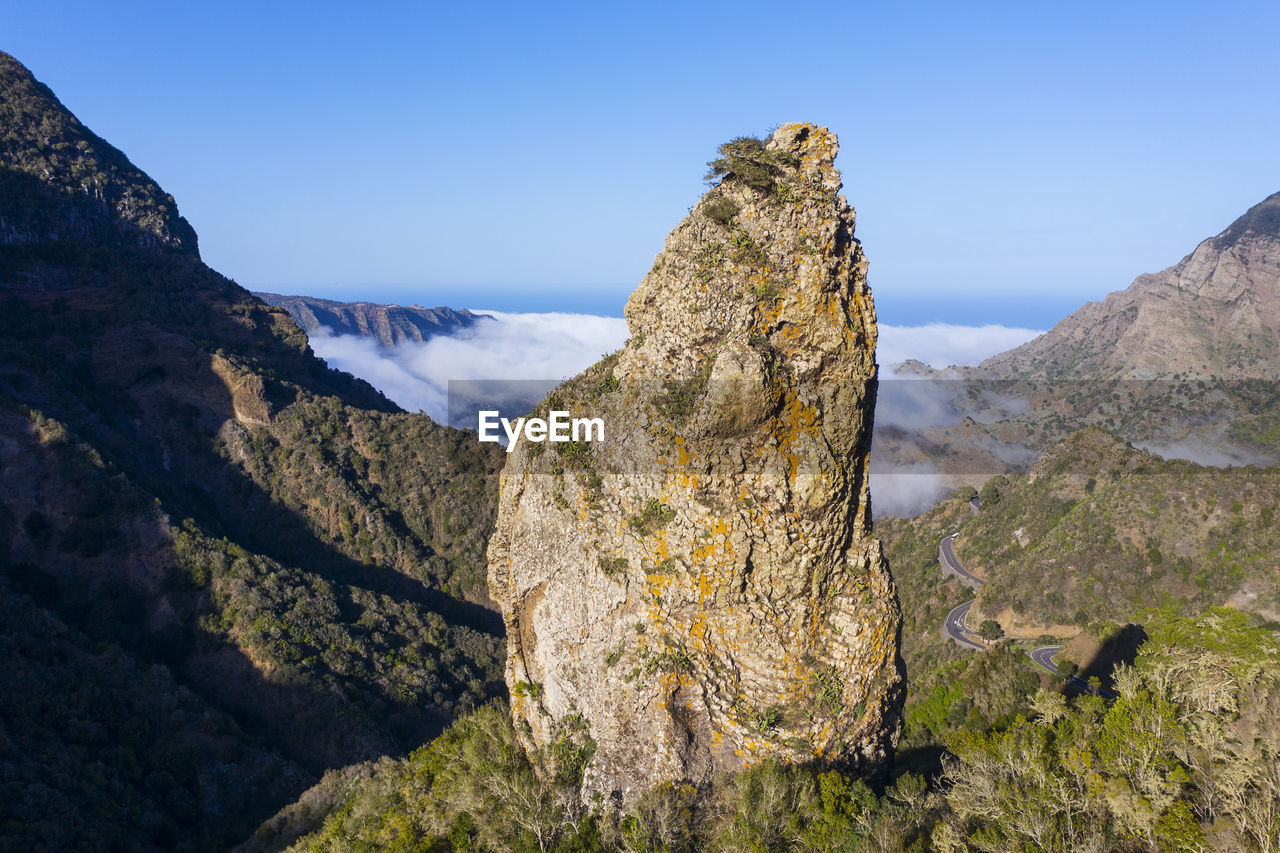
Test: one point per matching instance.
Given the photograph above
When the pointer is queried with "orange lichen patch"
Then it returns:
(745, 647)
(796, 419)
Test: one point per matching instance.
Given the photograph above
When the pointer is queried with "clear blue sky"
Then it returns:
(1006, 160)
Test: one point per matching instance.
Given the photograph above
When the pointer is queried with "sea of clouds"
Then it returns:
(502, 346)
(555, 346)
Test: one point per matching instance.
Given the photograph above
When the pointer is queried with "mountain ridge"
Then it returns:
(60, 181)
(1214, 313)
(389, 324)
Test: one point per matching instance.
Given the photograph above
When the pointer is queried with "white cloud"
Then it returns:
(942, 344)
(907, 490)
(1203, 452)
(509, 346)
(553, 346)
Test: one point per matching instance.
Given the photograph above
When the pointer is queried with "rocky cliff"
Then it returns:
(1214, 313)
(701, 590)
(389, 324)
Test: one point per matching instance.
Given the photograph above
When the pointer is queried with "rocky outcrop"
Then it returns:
(1214, 313)
(701, 590)
(389, 324)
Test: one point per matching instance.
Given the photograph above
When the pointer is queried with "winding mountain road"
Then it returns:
(957, 630)
(950, 562)
(1043, 657)
(955, 625)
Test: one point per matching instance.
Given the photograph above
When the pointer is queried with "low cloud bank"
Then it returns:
(509, 346)
(907, 490)
(555, 346)
(943, 344)
(1203, 452)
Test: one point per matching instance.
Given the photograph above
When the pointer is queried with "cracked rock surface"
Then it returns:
(701, 590)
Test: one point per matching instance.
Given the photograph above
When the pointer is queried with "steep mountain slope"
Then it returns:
(1214, 313)
(285, 565)
(1184, 361)
(61, 181)
(389, 324)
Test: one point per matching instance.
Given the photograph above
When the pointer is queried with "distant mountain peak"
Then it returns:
(388, 324)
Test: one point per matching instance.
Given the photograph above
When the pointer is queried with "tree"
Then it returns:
(990, 494)
(990, 630)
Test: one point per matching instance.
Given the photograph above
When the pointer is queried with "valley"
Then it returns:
(249, 603)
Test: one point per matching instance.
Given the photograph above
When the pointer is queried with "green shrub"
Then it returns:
(610, 565)
(748, 161)
(747, 251)
(653, 517)
(721, 210)
(764, 720)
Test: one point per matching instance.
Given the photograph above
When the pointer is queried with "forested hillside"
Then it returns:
(226, 567)
(1098, 530)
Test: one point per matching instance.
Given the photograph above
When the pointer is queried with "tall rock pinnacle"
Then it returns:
(700, 590)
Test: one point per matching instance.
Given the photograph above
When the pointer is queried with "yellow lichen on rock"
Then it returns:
(718, 598)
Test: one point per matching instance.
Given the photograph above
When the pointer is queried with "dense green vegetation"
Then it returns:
(246, 568)
(1098, 530)
(1185, 758)
(102, 751)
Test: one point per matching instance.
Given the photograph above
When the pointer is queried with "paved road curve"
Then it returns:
(956, 629)
(1043, 657)
(947, 556)
(955, 622)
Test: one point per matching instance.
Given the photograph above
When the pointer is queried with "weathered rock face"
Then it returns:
(1214, 313)
(701, 591)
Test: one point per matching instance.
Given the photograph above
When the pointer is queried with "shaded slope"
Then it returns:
(185, 483)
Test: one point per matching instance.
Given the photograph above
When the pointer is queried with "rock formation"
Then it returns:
(1214, 313)
(701, 591)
